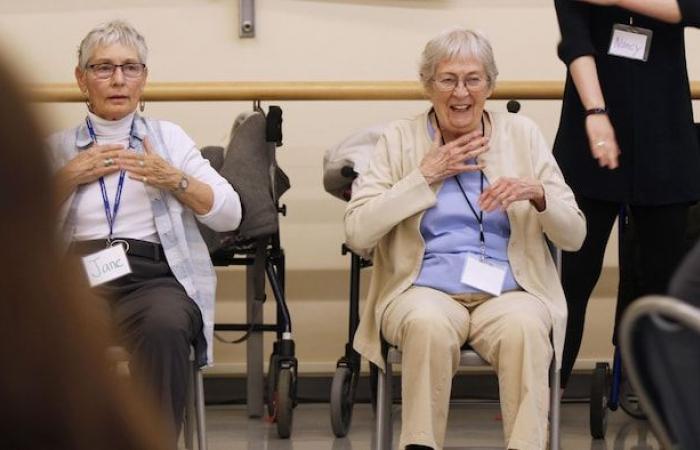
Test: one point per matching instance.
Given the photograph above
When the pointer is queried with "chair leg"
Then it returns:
(190, 414)
(199, 405)
(554, 406)
(384, 429)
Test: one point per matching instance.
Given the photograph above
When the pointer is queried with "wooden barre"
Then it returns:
(305, 91)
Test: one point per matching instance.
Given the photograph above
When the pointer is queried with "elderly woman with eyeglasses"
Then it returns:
(132, 190)
(456, 206)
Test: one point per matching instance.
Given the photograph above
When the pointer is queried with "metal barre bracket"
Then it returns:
(246, 16)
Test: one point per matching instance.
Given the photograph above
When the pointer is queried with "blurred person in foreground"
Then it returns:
(132, 190)
(56, 388)
(457, 205)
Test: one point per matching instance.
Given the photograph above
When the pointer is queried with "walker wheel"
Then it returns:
(270, 386)
(342, 400)
(285, 402)
(599, 401)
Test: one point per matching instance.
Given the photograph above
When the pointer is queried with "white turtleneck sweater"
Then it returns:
(134, 219)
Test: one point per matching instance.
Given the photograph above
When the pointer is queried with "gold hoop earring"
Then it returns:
(142, 105)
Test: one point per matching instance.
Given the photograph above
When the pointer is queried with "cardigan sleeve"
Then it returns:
(574, 25)
(690, 12)
(562, 220)
(383, 198)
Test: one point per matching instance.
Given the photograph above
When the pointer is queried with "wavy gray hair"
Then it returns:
(456, 43)
(114, 32)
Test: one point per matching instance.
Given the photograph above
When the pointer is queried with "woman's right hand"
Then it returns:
(444, 161)
(602, 141)
(91, 164)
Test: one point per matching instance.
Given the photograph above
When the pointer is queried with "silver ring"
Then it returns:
(600, 143)
(108, 162)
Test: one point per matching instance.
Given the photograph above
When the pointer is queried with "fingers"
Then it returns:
(139, 177)
(503, 193)
(606, 152)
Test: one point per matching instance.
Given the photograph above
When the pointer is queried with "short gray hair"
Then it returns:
(114, 32)
(456, 43)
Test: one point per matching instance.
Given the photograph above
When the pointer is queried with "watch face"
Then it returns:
(184, 183)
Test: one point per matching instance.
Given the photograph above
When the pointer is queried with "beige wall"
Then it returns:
(196, 40)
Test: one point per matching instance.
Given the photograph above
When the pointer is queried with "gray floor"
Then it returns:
(473, 426)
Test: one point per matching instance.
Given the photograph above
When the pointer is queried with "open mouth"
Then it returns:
(118, 98)
(460, 108)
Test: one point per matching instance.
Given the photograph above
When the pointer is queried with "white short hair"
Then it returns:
(456, 44)
(114, 32)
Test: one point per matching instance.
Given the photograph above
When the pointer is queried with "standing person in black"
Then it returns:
(625, 138)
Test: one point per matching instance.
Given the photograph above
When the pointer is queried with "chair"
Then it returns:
(194, 408)
(659, 339)
(468, 358)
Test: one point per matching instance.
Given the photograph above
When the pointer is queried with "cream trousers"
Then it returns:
(511, 332)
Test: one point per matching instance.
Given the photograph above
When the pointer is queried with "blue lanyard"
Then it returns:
(110, 213)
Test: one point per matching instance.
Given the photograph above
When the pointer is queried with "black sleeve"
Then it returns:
(574, 26)
(690, 12)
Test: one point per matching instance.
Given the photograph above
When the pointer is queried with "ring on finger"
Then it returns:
(141, 163)
(108, 162)
(144, 180)
(600, 143)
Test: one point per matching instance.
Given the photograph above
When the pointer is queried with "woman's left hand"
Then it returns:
(508, 190)
(149, 168)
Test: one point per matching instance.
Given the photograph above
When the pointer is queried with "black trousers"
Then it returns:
(157, 323)
(660, 240)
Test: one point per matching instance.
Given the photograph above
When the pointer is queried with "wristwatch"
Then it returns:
(182, 185)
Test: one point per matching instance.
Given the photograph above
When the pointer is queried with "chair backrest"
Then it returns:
(249, 164)
(660, 343)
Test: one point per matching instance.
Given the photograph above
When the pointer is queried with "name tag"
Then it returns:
(484, 276)
(630, 42)
(106, 265)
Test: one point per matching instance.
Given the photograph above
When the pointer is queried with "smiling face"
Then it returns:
(459, 110)
(115, 97)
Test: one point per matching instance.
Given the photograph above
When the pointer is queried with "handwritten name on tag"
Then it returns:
(106, 265)
(630, 42)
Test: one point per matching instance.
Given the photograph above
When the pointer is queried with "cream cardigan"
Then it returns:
(391, 197)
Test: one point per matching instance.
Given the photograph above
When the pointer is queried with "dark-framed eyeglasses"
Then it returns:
(102, 71)
(449, 82)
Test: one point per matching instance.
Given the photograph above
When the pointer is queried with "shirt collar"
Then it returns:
(83, 139)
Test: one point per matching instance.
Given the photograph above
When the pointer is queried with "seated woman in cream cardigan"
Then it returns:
(456, 205)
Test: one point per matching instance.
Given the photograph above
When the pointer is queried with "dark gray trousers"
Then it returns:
(157, 323)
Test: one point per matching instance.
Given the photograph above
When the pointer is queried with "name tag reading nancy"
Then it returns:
(482, 275)
(106, 265)
(630, 42)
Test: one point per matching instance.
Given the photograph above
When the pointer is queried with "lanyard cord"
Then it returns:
(479, 217)
(109, 213)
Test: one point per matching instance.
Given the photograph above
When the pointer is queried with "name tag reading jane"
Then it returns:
(106, 265)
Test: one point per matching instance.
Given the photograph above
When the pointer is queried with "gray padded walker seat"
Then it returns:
(249, 164)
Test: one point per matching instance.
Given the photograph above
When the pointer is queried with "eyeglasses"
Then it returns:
(103, 71)
(447, 83)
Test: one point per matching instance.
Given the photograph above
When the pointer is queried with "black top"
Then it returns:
(649, 107)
